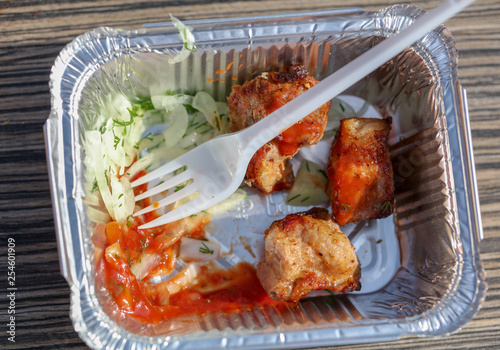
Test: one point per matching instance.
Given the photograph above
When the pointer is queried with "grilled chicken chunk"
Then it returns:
(306, 252)
(269, 171)
(360, 176)
(254, 100)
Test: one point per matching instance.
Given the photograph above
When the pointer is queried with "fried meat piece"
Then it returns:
(269, 171)
(306, 252)
(254, 100)
(360, 176)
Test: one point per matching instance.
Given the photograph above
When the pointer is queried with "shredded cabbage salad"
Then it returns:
(187, 40)
(134, 136)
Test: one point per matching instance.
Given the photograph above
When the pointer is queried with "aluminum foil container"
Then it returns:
(421, 270)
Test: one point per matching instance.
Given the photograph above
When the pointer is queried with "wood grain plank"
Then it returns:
(32, 35)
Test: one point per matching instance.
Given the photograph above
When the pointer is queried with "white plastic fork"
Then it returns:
(217, 168)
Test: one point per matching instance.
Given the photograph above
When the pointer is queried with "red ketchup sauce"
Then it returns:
(233, 290)
(290, 140)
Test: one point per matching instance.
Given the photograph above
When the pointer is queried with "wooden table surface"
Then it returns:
(33, 33)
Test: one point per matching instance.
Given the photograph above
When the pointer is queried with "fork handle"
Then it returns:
(278, 121)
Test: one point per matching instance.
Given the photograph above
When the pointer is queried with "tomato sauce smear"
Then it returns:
(242, 291)
(236, 295)
(214, 290)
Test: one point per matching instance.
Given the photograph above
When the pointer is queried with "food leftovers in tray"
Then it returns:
(120, 108)
(171, 270)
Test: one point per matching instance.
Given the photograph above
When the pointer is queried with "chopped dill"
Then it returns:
(321, 171)
(95, 186)
(193, 49)
(180, 187)
(387, 206)
(125, 123)
(205, 249)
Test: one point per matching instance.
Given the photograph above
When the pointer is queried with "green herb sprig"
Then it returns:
(205, 249)
(387, 206)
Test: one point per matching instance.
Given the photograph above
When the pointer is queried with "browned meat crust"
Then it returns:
(254, 100)
(360, 175)
(306, 252)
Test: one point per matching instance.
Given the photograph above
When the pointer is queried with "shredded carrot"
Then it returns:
(225, 70)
